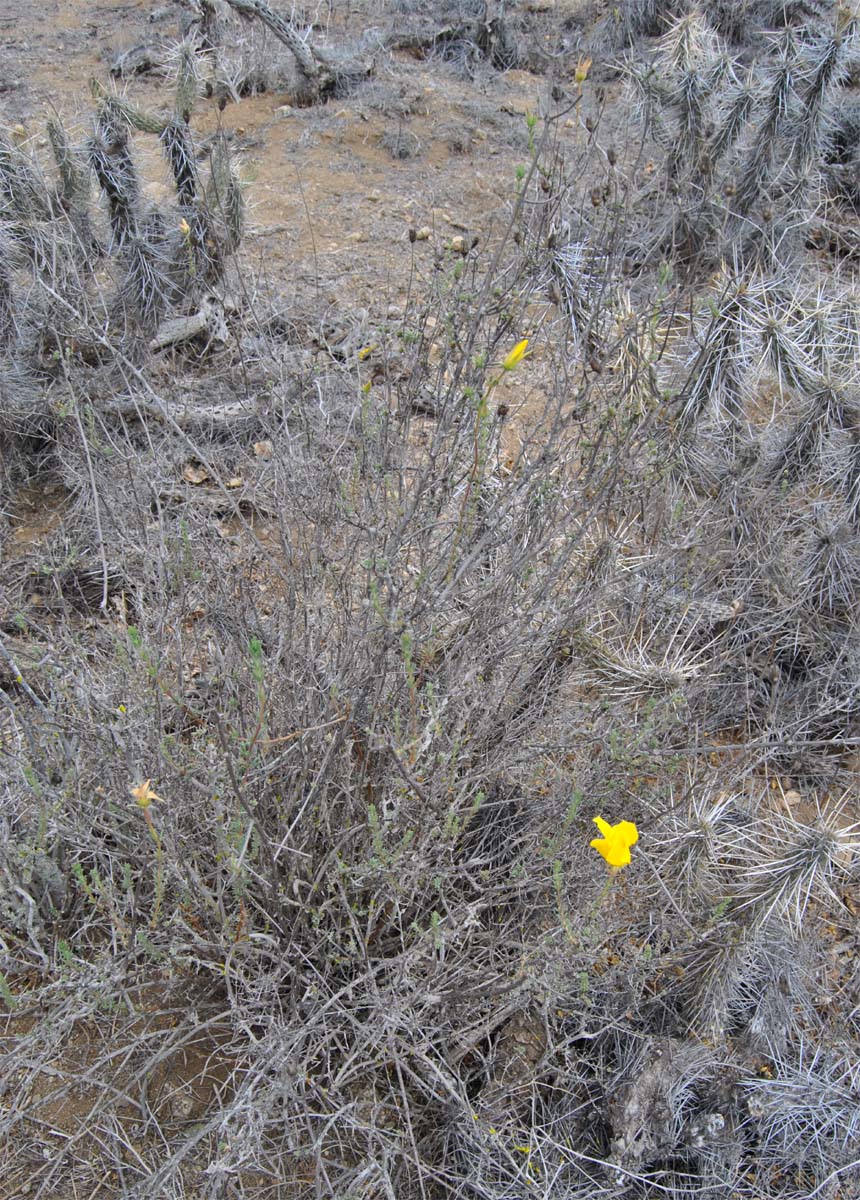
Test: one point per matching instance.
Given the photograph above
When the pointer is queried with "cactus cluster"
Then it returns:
(157, 258)
(747, 146)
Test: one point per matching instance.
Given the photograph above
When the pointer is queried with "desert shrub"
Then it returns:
(313, 690)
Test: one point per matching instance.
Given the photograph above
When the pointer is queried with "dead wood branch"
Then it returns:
(284, 32)
(320, 70)
(209, 320)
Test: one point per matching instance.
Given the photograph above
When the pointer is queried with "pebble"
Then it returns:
(423, 234)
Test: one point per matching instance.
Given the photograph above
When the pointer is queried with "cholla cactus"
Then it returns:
(23, 196)
(224, 197)
(825, 68)
(159, 256)
(838, 335)
(718, 371)
(187, 80)
(791, 865)
(640, 343)
(111, 160)
(830, 565)
(178, 147)
(632, 19)
(841, 141)
(754, 174)
(732, 121)
(806, 441)
(174, 134)
(74, 171)
(850, 479)
(725, 135)
(786, 344)
(152, 279)
(693, 841)
(806, 1116)
(580, 272)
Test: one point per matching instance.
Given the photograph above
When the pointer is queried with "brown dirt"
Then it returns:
(162, 1023)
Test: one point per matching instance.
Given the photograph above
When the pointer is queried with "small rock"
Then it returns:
(423, 234)
(460, 246)
(264, 449)
(192, 473)
(393, 312)
(357, 235)
(517, 106)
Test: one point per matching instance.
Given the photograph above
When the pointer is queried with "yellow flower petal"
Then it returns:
(614, 853)
(615, 844)
(627, 831)
(516, 355)
(143, 794)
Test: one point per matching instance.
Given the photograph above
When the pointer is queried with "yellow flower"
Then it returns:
(616, 841)
(144, 795)
(516, 355)
(582, 69)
